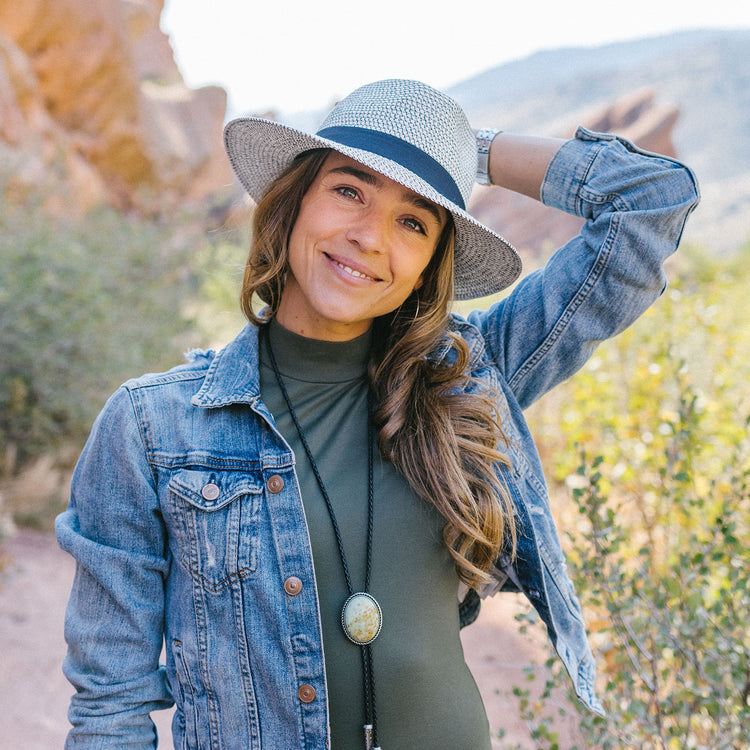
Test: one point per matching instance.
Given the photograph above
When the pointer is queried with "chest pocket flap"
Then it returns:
(216, 516)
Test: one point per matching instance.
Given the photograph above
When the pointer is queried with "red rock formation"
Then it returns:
(91, 100)
(537, 230)
(90, 94)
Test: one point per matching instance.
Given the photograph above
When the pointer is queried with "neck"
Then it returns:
(322, 330)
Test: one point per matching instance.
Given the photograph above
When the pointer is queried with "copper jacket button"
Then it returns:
(293, 585)
(275, 484)
(306, 693)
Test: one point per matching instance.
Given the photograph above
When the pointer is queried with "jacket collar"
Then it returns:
(232, 376)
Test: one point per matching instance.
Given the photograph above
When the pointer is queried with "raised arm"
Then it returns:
(519, 162)
(634, 204)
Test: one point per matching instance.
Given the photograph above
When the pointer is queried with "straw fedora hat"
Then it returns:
(407, 131)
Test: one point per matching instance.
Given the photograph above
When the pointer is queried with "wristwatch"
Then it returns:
(485, 137)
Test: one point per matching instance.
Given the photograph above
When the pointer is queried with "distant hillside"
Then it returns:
(705, 74)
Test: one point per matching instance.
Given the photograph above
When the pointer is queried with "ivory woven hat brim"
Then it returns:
(259, 150)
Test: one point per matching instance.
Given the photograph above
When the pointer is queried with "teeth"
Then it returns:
(352, 272)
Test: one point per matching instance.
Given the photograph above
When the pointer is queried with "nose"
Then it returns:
(370, 230)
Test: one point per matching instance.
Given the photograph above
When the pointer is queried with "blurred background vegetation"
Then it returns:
(648, 460)
(84, 305)
(646, 448)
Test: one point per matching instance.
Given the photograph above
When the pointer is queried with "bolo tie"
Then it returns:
(361, 615)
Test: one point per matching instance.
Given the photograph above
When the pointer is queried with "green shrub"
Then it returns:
(83, 306)
(658, 530)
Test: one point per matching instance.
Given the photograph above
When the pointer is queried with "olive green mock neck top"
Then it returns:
(426, 697)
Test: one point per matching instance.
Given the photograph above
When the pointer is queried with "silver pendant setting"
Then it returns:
(361, 618)
(369, 729)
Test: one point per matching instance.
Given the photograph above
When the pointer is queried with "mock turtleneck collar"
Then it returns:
(316, 361)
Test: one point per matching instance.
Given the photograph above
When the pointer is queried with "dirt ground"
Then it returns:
(34, 587)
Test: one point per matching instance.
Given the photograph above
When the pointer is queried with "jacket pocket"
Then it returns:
(217, 513)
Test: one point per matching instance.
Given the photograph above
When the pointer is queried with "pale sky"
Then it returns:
(294, 55)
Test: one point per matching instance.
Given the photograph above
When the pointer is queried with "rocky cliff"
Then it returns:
(93, 108)
(703, 73)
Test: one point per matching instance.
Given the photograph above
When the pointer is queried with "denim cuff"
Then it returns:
(569, 168)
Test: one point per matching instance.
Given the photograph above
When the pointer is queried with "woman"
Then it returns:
(295, 516)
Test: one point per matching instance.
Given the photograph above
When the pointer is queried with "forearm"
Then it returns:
(519, 162)
(635, 206)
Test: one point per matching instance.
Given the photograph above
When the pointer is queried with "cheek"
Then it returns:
(313, 226)
(416, 266)
(299, 241)
(293, 254)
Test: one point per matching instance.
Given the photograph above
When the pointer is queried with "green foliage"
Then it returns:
(532, 710)
(215, 310)
(659, 525)
(672, 622)
(83, 306)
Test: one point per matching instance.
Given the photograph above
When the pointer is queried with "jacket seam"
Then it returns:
(575, 303)
(143, 433)
(166, 378)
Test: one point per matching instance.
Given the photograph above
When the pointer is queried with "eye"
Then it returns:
(415, 225)
(347, 192)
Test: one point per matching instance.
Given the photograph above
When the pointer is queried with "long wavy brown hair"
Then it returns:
(437, 425)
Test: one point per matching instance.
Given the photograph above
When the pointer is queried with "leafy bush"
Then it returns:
(659, 525)
(83, 306)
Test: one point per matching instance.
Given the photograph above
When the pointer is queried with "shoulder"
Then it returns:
(208, 379)
(461, 328)
(125, 407)
(194, 368)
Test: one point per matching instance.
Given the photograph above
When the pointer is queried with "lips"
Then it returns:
(354, 272)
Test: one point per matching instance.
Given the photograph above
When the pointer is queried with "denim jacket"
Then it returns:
(187, 524)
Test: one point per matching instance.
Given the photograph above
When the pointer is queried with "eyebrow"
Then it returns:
(372, 179)
(421, 202)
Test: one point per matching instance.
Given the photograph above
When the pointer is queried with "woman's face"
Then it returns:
(357, 250)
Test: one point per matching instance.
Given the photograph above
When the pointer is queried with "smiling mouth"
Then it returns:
(351, 271)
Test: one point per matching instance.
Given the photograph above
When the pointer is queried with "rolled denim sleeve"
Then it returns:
(115, 616)
(635, 205)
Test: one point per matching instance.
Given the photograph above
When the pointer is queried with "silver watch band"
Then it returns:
(485, 137)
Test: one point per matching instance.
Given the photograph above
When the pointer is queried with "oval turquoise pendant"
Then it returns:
(361, 618)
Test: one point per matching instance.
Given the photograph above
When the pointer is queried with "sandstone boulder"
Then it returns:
(91, 98)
